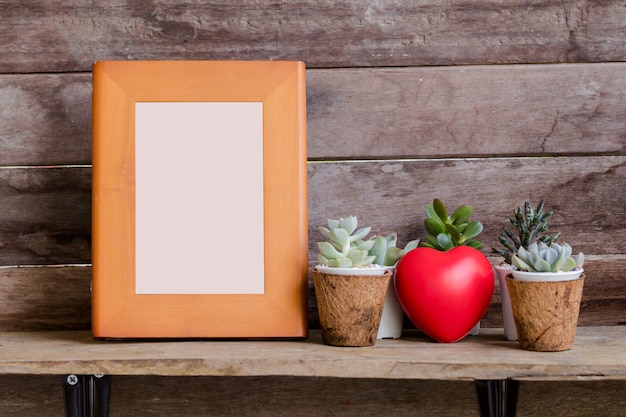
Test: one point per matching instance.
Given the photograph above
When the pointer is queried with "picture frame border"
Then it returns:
(282, 310)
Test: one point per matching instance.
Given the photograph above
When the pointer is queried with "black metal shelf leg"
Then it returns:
(101, 388)
(497, 397)
(86, 395)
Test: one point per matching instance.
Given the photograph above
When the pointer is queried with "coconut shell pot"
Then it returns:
(350, 305)
(546, 312)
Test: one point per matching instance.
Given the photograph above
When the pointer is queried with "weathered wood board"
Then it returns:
(467, 111)
(149, 396)
(47, 210)
(46, 215)
(366, 113)
(41, 36)
(45, 298)
(45, 119)
(586, 193)
(598, 353)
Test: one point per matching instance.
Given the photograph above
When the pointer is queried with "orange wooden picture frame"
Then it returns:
(279, 310)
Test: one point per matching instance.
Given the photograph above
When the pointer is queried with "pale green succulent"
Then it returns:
(347, 247)
(541, 257)
(444, 232)
(386, 251)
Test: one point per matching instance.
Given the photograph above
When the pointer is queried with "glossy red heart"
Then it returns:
(445, 294)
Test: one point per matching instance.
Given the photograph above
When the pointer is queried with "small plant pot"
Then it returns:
(392, 320)
(350, 306)
(546, 312)
(510, 332)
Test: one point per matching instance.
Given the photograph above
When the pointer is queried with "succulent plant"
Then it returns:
(386, 251)
(530, 223)
(347, 247)
(444, 232)
(542, 257)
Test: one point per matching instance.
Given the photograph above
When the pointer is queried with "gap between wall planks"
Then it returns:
(70, 36)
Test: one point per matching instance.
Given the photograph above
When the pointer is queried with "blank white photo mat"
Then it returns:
(199, 198)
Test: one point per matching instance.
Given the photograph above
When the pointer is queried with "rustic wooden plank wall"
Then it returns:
(488, 103)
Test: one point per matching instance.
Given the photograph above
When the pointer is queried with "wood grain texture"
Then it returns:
(314, 397)
(45, 119)
(45, 298)
(268, 212)
(467, 111)
(598, 353)
(47, 210)
(69, 36)
(366, 113)
(149, 396)
(585, 192)
(46, 215)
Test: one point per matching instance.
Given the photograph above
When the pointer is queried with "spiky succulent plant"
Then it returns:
(444, 232)
(347, 247)
(541, 257)
(530, 223)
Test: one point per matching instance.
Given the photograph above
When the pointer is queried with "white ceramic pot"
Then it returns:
(510, 332)
(392, 320)
(547, 276)
(475, 330)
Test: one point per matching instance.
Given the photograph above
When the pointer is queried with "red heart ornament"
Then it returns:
(444, 293)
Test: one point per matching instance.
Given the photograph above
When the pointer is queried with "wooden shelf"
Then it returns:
(598, 353)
